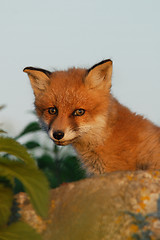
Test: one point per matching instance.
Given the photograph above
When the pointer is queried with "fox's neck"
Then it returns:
(88, 146)
(114, 143)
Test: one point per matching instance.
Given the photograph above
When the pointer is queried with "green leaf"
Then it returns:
(72, 171)
(33, 180)
(30, 128)
(52, 178)
(10, 146)
(18, 187)
(46, 161)
(31, 145)
(19, 231)
(2, 106)
(2, 131)
(7, 181)
(6, 199)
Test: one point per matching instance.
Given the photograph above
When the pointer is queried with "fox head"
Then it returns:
(72, 105)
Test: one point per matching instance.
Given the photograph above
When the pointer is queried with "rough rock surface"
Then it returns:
(117, 206)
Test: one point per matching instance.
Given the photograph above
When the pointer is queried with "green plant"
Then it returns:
(15, 162)
(59, 164)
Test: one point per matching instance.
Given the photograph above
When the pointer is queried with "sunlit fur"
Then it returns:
(67, 92)
(108, 136)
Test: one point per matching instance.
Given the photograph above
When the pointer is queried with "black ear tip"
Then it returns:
(97, 64)
(27, 68)
(107, 60)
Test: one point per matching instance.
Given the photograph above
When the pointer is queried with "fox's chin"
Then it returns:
(63, 143)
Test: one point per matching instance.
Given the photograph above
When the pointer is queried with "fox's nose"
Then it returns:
(58, 135)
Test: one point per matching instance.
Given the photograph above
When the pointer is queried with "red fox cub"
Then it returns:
(76, 107)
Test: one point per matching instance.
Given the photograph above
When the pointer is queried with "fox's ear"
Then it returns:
(39, 78)
(100, 75)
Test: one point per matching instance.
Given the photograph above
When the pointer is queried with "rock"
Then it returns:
(116, 206)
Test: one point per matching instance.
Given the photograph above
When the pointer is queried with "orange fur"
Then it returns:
(108, 136)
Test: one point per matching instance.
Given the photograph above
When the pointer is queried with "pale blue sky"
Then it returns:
(60, 34)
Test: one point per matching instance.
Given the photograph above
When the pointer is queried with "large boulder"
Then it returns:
(116, 206)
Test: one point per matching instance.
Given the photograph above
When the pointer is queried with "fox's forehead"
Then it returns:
(72, 77)
(67, 90)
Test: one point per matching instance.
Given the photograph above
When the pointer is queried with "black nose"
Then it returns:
(58, 135)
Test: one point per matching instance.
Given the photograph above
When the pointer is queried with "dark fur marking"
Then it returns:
(48, 73)
(102, 62)
(142, 166)
(51, 122)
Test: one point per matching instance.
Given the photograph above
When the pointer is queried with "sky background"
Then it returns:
(59, 34)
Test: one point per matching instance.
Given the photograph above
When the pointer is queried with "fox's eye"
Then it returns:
(53, 111)
(78, 112)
